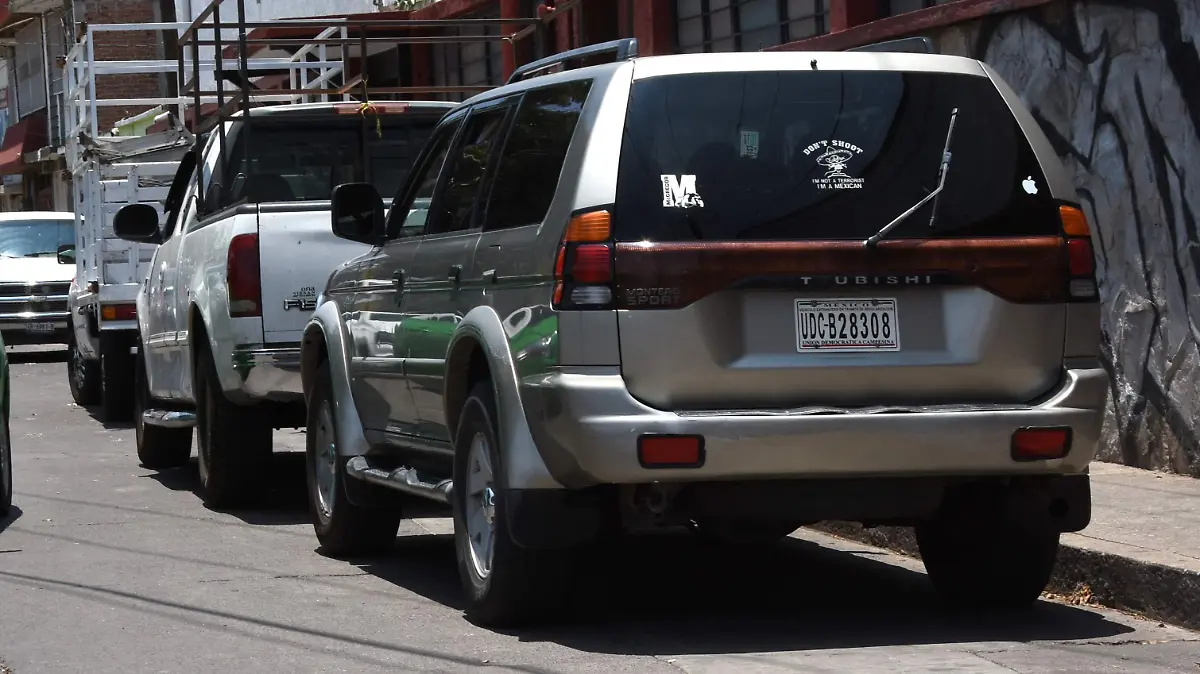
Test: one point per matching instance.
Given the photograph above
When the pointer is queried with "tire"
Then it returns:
(6, 470)
(116, 372)
(158, 448)
(518, 585)
(343, 528)
(987, 565)
(83, 375)
(233, 442)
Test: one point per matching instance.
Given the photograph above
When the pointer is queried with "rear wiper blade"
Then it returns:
(945, 168)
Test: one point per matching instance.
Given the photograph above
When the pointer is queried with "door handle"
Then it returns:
(398, 282)
(455, 272)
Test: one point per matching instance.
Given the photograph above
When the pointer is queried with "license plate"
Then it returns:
(847, 325)
(39, 327)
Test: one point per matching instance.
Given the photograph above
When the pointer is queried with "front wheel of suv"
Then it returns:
(988, 565)
(505, 584)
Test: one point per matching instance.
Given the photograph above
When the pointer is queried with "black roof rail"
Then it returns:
(623, 49)
(911, 45)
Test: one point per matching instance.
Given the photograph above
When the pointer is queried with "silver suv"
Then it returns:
(737, 293)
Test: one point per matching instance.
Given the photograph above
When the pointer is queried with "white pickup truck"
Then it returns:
(235, 277)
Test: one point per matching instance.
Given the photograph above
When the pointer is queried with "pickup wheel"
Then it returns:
(505, 584)
(343, 528)
(116, 371)
(83, 375)
(233, 441)
(987, 564)
(158, 448)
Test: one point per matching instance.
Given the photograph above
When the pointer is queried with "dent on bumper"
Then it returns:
(586, 426)
(269, 373)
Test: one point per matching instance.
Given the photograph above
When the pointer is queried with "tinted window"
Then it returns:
(418, 209)
(35, 238)
(304, 159)
(530, 166)
(455, 207)
(823, 155)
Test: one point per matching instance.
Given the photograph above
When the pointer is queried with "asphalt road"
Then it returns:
(109, 567)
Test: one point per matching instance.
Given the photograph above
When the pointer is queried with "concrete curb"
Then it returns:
(1157, 591)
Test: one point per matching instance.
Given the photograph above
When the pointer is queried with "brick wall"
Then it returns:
(125, 46)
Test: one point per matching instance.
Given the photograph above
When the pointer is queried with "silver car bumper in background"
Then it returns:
(269, 373)
(587, 428)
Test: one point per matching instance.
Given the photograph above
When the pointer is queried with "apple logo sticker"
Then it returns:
(1029, 185)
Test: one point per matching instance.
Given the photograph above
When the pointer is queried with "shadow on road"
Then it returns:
(282, 501)
(666, 595)
(21, 355)
(96, 412)
(13, 514)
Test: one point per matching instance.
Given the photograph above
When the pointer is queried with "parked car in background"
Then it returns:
(763, 289)
(236, 275)
(6, 470)
(37, 263)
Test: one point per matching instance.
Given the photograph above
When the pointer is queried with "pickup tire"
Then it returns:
(83, 375)
(516, 585)
(158, 448)
(116, 372)
(233, 441)
(343, 528)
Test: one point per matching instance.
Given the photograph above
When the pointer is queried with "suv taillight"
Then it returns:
(1081, 261)
(583, 270)
(242, 277)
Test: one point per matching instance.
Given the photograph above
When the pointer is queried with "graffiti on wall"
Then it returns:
(1116, 86)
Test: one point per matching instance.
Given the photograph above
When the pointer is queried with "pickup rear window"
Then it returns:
(824, 155)
(304, 159)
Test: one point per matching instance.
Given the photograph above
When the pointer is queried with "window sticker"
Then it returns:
(1030, 185)
(835, 156)
(748, 146)
(680, 192)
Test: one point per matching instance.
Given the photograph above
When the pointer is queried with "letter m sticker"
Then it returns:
(680, 192)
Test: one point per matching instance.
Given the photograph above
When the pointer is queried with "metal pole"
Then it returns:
(91, 81)
(244, 82)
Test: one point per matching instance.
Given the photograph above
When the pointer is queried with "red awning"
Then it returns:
(27, 135)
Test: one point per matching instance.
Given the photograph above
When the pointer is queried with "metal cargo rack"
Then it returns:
(320, 62)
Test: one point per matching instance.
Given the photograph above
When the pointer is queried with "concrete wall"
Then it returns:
(1116, 85)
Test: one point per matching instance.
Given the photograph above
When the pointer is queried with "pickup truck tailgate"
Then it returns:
(297, 251)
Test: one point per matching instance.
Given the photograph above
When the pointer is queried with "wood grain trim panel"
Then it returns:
(1023, 270)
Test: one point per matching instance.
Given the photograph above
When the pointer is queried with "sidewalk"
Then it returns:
(1140, 553)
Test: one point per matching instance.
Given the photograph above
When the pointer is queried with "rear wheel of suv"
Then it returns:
(987, 564)
(343, 528)
(157, 447)
(505, 584)
(233, 441)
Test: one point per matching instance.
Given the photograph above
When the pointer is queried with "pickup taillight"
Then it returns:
(242, 281)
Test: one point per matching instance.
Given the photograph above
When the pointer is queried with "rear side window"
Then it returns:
(455, 209)
(532, 161)
(821, 155)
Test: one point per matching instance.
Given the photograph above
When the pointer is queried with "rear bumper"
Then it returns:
(269, 373)
(586, 426)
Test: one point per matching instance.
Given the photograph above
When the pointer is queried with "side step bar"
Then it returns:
(169, 418)
(406, 480)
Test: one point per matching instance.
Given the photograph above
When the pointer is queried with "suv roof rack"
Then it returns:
(623, 50)
(911, 45)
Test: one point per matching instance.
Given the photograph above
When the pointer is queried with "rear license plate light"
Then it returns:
(1041, 444)
(671, 451)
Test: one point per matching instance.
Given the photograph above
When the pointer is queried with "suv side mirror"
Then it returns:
(66, 253)
(137, 223)
(357, 213)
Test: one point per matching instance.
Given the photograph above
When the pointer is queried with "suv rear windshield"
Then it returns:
(304, 159)
(823, 155)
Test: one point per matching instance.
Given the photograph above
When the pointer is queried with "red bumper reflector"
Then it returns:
(671, 451)
(1040, 444)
